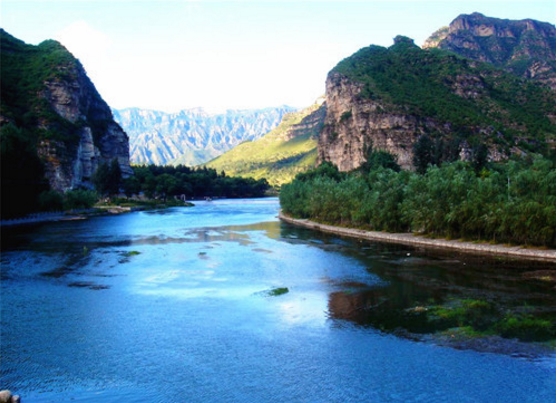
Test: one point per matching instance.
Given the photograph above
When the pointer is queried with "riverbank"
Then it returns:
(416, 240)
(66, 216)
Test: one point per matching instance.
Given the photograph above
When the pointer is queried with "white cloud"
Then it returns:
(91, 47)
(86, 43)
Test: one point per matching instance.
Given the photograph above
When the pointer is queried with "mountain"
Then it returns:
(525, 47)
(389, 98)
(193, 136)
(278, 156)
(54, 126)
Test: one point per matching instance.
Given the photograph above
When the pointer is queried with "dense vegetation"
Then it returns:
(512, 202)
(150, 185)
(190, 183)
(483, 105)
(27, 118)
(25, 69)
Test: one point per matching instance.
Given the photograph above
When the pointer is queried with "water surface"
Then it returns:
(177, 305)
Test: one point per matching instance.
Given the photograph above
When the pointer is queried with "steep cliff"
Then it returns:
(192, 136)
(51, 108)
(524, 47)
(388, 98)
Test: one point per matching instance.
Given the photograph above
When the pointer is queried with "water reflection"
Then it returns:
(180, 303)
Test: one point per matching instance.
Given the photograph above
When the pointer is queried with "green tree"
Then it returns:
(107, 179)
(380, 159)
(423, 152)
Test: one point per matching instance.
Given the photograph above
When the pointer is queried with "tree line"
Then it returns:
(152, 182)
(510, 202)
(161, 182)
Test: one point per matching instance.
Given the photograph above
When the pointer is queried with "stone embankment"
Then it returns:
(414, 240)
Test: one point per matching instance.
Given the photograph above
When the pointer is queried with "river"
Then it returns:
(221, 302)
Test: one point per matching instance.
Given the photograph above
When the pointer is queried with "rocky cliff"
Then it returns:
(355, 124)
(523, 47)
(193, 136)
(389, 98)
(50, 106)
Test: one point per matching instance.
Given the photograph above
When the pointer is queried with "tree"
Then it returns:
(131, 186)
(380, 158)
(107, 178)
(423, 151)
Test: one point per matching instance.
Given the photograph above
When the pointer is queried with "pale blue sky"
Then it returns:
(172, 54)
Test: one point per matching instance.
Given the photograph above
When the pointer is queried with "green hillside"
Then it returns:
(279, 155)
(472, 96)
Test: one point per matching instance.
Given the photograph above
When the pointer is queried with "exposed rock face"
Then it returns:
(192, 136)
(353, 125)
(312, 123)
(78, 102)
(387, 98)
(48, 93)
(525, 47)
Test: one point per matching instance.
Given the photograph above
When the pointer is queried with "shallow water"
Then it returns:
(177, 306)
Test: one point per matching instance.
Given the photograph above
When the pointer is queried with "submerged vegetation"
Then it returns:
(512, 202)
(480, 318)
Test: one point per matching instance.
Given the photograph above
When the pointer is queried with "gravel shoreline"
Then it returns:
(414, 240)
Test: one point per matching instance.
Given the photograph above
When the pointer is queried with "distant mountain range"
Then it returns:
(192, 136)
(278, 156)
(474, 88)
(480, 86)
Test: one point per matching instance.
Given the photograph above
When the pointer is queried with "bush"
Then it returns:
(51, 201)
(513, 202)
(79, 199)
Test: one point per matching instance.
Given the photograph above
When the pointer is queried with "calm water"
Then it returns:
(175, 306)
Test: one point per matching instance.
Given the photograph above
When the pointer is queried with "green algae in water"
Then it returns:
(274, 292)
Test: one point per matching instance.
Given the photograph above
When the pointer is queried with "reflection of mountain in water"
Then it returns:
(424, 295)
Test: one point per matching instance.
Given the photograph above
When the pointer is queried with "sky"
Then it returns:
(171, 55)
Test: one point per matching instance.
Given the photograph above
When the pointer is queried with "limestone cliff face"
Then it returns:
(524, 47)
(354, 125)
(387, 98)
(48, 95)
(101, 139)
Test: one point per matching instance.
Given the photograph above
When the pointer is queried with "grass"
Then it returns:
(275, 157)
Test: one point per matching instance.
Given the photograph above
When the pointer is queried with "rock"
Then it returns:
(523, 47)
(5, 396)
(353, 124)
(75, 129)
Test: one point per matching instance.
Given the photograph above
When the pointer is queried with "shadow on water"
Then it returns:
(457, 299)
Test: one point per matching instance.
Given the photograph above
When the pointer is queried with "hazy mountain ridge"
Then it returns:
(192, 136)
(278, 156)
